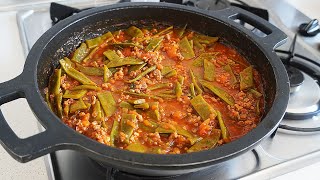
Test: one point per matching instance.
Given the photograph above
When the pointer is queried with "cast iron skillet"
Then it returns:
(64, 37)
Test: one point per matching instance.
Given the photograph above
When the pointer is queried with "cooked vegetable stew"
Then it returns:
(160, 89)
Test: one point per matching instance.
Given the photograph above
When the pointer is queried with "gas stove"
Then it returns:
(291, 147)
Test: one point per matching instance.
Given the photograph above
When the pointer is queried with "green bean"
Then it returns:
(223, 127)
(107, 36)
(198, 45)
(258, 108)
(136, 67)
(166, 96)
(228, 69)
(66, 109)
(91, 71)
(137, 147)
(165, 91)
(206, 143)
(90, 87)
(126, 105)
(202, 107)
(181, 80)
(116, 33)
(77, 105)
(111, 55)
(125, 127)
(154, 43)
(219, 92)
(143, 106)
(194, 81)
(75, 94)
(125, 61)
(75, 74)
(205, 39)
(166, 70)
(106, 73)
(114, 132)
(209, 70)
(80, 53)
(193, 139)
(92, 52)
(172, 73)
(103, 123)
(97, 111)
(48, 101)
(185, 49)
(142, 95)
(181, 31)
(88, 105)
(128, 44)
(162, 130)
(178, 90)
(154, 112)
(198, 62)
(137, 101)
(159, 86)
(148, 128)
(108, 103)
(246, 78)
(255, 93)
(166, 128)
(133, 31)
(58, 99)
(170, 91)
(55, 82)
(147, 71)
(191, 43)
(193, 92)
(91, 43)
(156, 150)
(164, 32)
(113, 70)
(68, 61)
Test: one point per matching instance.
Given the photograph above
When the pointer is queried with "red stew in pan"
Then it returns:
(157, 89)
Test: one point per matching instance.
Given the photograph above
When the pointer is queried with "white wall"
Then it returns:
(311, 8)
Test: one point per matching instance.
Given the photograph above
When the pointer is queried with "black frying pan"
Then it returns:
(64, 37)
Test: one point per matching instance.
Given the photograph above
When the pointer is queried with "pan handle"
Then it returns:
(272, 37)
(23, 150)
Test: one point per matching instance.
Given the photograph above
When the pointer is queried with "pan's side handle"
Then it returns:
(273, 37)
(23, 150)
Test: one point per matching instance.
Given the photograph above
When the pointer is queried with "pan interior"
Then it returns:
(69, 38)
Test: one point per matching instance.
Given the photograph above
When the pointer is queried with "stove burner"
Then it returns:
(304, 103)
(296, 78)
(304, 99)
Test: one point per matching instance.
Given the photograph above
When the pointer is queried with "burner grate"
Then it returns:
(295, 74)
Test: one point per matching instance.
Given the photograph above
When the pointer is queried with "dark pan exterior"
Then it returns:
(64, 37)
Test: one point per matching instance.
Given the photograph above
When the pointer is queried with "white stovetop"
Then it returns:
(25, 124)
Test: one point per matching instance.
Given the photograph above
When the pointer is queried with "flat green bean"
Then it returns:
(219, 92)
(107, 102)
(75, 74)
(246, 78)
(185, 49)
(80, 53)
(202, 107)
(142, 74)
(74, 94)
